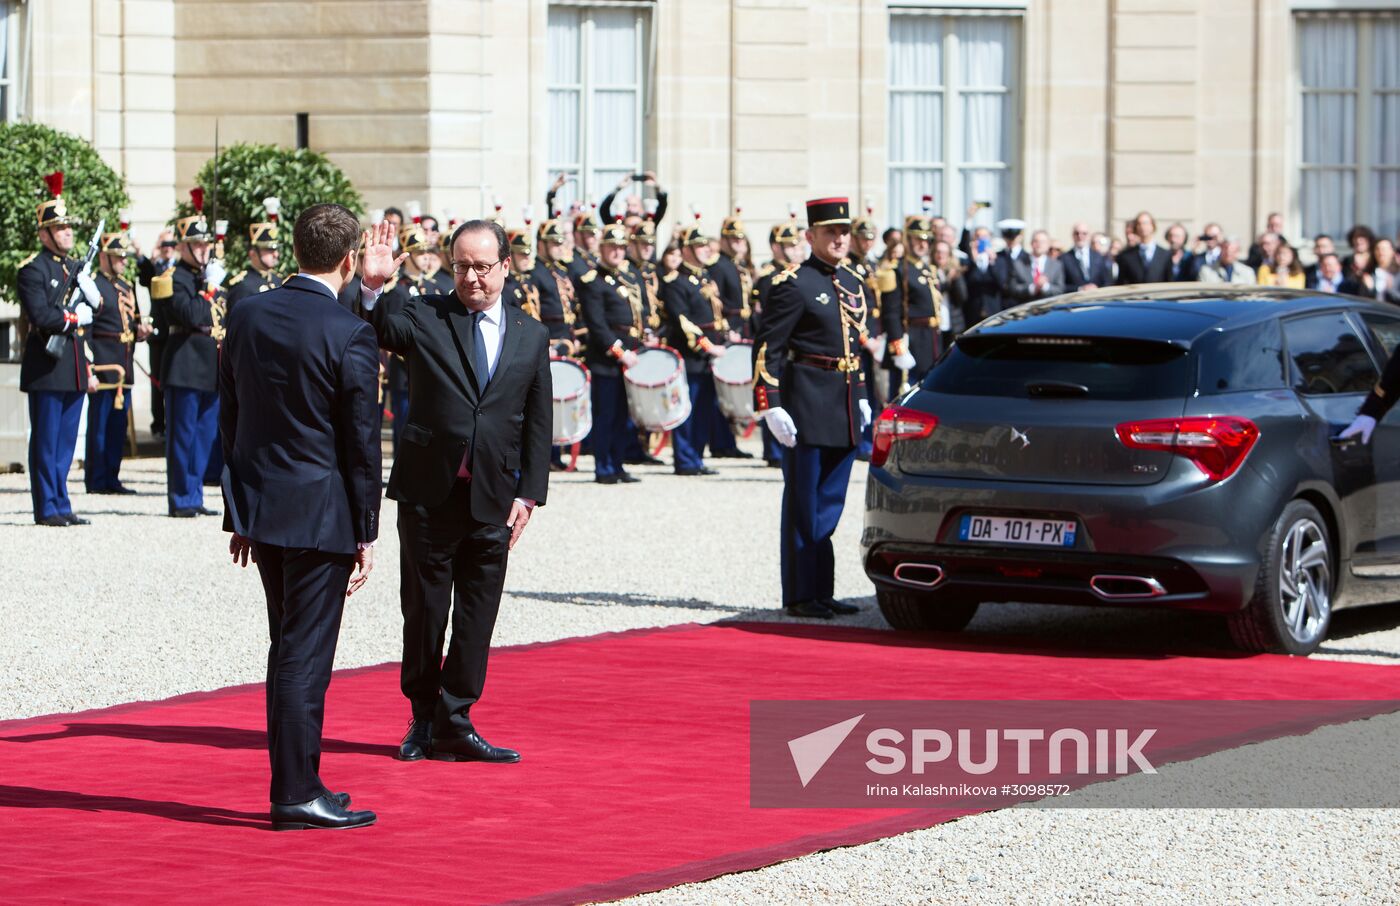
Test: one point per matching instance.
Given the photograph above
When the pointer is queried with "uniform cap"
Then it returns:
(824, 211)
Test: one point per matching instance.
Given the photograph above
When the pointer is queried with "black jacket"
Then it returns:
(249, 282)
(615, 314)
(511, 421)
(1132, 270)
(1100, 272)
(196, 326)
(911, 298)
(299, 421)
(694, 313)
(40, 281)
(112, 335)
(802, 339)
(732, 292)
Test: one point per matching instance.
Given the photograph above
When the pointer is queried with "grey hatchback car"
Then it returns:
(1168, 446)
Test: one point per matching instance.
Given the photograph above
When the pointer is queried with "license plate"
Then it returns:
(1016, 530)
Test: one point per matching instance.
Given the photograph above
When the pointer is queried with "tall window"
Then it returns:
(9, 22)
(597, 62)
(1349, 72)
(953, 112)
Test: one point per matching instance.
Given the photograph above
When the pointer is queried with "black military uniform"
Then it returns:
(788, 235)
(644, 273)
(909, 302)
(190, 369)
(695, 325)
(115, 331)
(734, 279)
(554, 278)
(253, 279)
(519, 289)
(613, 306)
(808, 374)
(55, 385)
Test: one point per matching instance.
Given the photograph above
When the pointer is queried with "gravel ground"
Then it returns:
(143, 607)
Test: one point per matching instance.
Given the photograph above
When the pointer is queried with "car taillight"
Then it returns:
(899, 423)
(1217, 445)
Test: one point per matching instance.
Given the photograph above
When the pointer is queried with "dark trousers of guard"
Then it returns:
(814, 492)
(305, 598)
(610, 425)
(451, 566)
(53, 434)
(106, 440)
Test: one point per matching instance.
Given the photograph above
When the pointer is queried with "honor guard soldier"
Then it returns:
(520, 289)
(196, 306)
(558, 305)
(116, 329)
(55, 383)
(641, 246)
(263, 257)
(865, 265)
(909, 303)
(808, 387)
(697, 330)
(785, 244)
(586, 227)
(613, 309)
(420, 275)
(733, 275)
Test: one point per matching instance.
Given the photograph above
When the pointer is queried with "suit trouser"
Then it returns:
(450, 564)
(689, 439)
(610, 424)
(305, 599)
(214, 469)
(814, 493)
(53, 434)
(106, 440)
(192, 429)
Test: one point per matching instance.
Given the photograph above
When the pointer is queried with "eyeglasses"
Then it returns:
(481, 269)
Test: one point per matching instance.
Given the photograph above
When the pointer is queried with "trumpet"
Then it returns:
(118, 385)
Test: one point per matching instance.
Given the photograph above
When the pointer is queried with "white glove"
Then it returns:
(904, 361)
(876, 347)
(780, 423)
(84, 313)
(1363, 425)
(865, 416)
(629, 358)
(89, 290)
(717, 350)
(214, 272)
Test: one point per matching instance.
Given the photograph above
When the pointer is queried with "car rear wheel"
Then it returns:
(1292, 604)
(925, 611)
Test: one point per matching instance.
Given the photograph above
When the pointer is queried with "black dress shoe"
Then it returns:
(627, 478)
(837, 607)
(322, 813)
(74, 519)
(417, 742)
(558, 467)
(812, 610)
(644, 461)
(703, 470)
(184, 513)
(774, 463)
(122, 489)
(472, 748)
(205, 511)
(53, 521)
(735, 453)
(341, 799)
(608, 479)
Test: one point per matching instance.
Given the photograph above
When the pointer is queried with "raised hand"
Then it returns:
(379, 262)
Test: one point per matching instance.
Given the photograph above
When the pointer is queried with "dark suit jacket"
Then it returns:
(983, 290)
(507, 425)
(1020, 285)
(299, 420)
(1100, 271)
(1189, 271)
(1131, 269)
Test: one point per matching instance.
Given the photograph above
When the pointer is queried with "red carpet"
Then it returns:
(635, 770)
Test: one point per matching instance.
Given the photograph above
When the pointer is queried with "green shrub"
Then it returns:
(91, 190)
(250, 173)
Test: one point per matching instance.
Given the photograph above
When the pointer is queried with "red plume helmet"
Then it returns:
(55, 183)
(197, 197)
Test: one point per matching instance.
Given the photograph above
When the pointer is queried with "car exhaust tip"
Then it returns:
(920, 575)
(1121, 588)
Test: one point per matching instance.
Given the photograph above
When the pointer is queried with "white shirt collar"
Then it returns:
(493, 314)
(321, 280)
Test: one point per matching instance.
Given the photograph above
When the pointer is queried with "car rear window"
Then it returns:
(1111, 368)
(1245, 358)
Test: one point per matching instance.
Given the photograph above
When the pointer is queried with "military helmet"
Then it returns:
(53, 211)
(413, 239)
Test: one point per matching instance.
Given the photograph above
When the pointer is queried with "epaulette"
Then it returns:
(163, 286)
(765, 270)
(589, 277)
(846, 266)
(784, 275)
(236, 278)
(29, 259)
(885, 280)
(670, 277)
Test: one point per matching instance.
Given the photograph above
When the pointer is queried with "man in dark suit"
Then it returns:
(300, 428)
(1037, 275)
(1146, 262)
(473, 464)
(1084, 267)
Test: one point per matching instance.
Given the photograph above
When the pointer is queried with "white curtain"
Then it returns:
(1327, 62)
(615, 84)
(985, 52)
(1385, 126)
(916, 113)
(565, 37)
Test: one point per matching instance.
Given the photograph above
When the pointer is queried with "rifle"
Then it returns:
(71, 296)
